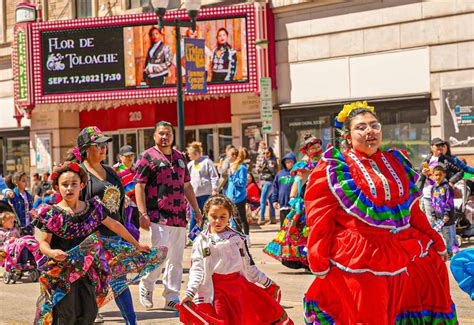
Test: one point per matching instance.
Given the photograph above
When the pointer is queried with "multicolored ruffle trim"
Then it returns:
(427, 317)
(314, 315)
(286, 252)
(355, 202)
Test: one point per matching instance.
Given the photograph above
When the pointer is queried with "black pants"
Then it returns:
(78, 307)
(283, 214)
(242, 220)
(135, 217)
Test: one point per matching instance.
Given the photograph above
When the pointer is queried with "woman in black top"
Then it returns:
(107, 185)
(268, 170)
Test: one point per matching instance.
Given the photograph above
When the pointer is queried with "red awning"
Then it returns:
(199, 112)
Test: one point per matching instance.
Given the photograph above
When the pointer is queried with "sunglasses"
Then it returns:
(100, 145)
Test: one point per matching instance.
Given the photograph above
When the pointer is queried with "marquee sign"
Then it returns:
(22, 67)
(127, 57)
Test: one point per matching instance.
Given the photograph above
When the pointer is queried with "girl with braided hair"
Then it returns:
(223, 275)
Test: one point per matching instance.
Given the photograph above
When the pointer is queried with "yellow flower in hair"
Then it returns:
(348, 108)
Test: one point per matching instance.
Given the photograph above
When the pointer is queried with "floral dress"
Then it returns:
(104, 262)
(289, 246)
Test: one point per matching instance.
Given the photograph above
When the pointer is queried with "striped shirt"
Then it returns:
(127, 175)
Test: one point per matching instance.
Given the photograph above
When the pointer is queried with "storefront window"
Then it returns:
(136, 4)
(114, 147)
(251, 137)
(83, 8)
(148, 140)
(206, 137)
(17, 157)
(225, 138)
(405, 126)
(189, 136)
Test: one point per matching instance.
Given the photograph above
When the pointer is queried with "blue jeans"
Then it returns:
(200, 201)
(449, 235)
(264, 197)
(125, 304)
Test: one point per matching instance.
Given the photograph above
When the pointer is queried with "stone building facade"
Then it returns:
(403, 56)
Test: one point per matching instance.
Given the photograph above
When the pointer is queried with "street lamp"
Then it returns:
(193, 6)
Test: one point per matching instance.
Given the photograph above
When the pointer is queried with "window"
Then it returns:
(3, 21)
(225, 139)
(405, 125)
(132, 4)
(83, 8)
(206, 137)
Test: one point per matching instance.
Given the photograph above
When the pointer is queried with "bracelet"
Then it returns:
(142, 214)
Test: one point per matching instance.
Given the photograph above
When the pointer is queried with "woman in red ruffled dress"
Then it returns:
(376, 258)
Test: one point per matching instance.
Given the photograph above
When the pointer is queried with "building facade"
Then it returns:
(214, 118)
(14, 139)
(414, 60)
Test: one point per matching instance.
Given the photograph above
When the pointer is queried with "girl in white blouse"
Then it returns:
(223, 275)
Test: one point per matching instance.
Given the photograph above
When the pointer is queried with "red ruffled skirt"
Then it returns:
(240, 302)
(351, 296)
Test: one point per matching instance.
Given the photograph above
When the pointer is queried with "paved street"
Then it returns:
(17, 301)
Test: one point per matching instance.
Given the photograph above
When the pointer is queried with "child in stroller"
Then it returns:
(19, 252)
(464, 209)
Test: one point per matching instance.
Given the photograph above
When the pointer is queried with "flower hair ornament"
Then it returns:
(70, 166)
(342, 117)
(347, 109)
(77, 154)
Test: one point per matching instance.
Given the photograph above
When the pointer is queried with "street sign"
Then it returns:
(266, 105)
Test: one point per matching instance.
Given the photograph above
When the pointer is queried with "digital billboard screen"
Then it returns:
(139, 56)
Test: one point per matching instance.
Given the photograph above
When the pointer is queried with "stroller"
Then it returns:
(11, 253)
(464, 211)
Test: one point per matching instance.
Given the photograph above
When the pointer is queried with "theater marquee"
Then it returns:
(117, 57)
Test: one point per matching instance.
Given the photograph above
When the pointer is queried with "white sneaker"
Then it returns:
(99, 319)
(146, 296)
(171, 305)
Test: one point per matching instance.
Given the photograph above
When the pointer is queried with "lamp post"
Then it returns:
(193, 6)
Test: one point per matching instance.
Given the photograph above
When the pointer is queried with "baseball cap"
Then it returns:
(436, 141)
(126, 151)
(91, 134)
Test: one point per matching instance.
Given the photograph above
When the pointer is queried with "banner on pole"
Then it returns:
(195, 63)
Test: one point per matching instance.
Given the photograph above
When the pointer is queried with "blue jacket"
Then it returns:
(19, 205)
(237, 185)
(282, 184)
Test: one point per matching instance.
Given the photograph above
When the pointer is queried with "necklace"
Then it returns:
(170, 160)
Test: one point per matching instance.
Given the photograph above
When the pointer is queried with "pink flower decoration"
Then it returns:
(77, 154)
(73, 277)
(93, 138)
(88, 262)
(55, 223)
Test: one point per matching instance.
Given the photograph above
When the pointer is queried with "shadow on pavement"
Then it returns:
(141, 315)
